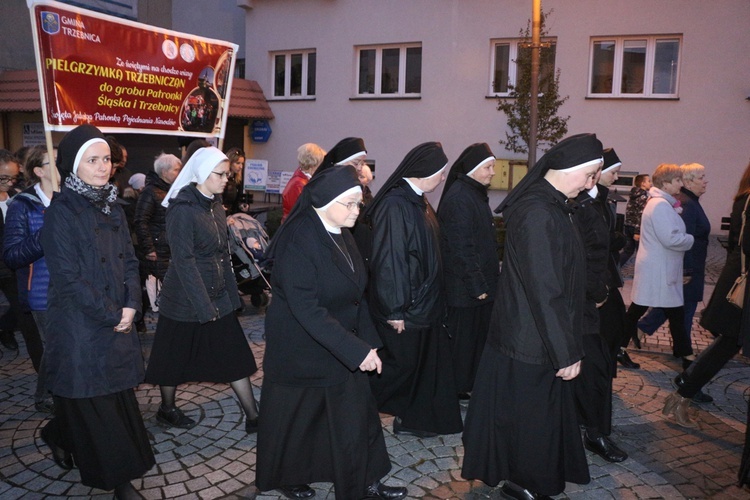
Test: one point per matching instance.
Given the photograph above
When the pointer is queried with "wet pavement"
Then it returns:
(216, 459)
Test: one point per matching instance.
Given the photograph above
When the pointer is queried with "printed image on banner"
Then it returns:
(119, 74)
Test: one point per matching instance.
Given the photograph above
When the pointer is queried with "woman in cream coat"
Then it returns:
(658, 277)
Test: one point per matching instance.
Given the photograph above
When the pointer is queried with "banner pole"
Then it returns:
(52, 159)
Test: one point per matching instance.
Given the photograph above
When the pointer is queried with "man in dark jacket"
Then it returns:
(150, 215)
(406, 300)
(468, 243)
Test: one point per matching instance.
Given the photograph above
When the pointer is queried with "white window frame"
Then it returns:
(512, 57)
(401, 93)
(288, 74)
(651, 43)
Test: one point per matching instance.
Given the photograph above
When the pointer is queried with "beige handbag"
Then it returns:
(736, 295)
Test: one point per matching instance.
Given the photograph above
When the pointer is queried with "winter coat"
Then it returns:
(720, 317)
(232, 195)
(539, 316)
(406, 274)
(22, 249)
(200, 285)
(634, 208)
(594, 230)
(151, 225)
(318, 326)
(292, 191)
(93, 276)
(468, 244)
(657, 280)
(694, 261)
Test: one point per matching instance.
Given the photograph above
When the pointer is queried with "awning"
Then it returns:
(19, 91)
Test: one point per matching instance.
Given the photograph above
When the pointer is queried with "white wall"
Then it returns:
(710, 123)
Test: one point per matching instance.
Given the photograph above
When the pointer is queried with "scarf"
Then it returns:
(102, 198)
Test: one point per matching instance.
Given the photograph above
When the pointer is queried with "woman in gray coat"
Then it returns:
(658, 277)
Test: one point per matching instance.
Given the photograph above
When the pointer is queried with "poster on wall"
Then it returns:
(124, 76)
(256, 175)
(33, 134)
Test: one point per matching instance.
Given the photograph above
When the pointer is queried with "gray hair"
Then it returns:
(309, 156)
(164, 162)
(692, 171)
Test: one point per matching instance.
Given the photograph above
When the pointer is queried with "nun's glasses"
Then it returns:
(352, 205)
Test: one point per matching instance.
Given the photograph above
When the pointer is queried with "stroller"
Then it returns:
(248, 242)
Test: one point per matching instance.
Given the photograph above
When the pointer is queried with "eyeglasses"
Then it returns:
(223, 175)
(352, 205)
(358, 164)
(6, 179)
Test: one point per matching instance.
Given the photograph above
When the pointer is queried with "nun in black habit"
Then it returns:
(593, 388)
(320, 420)
(468, 244)
(521, 426)
(406, 294)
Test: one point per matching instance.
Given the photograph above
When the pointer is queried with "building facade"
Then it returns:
(660, 81)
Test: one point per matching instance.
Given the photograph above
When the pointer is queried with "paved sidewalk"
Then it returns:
(216, 459)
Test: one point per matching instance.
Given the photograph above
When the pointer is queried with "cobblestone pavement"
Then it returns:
(216, 459)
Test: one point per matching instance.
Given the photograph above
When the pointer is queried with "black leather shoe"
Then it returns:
(605, 448)
(251, 425)
(297, 491)
(8, 340)
(699, 397)
(62, 458)
(514, 492)
(624, 359)
(377, 490)
(398, 428)
(174, 418)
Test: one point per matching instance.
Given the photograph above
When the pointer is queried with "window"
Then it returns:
(503, 68)
(389, 70)
(637, 66)
(293, 74)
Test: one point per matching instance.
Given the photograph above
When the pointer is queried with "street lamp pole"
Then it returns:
(536, 21)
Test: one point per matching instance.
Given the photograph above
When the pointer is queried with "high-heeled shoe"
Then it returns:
(678, 406)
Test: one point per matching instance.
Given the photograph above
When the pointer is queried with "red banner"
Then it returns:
(123, 76)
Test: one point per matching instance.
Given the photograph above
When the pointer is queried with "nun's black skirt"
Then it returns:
(321, 434)
(417, 383)
(593, 386)
(467, 329)
(521, 426)
(106, 436)
(216, 351)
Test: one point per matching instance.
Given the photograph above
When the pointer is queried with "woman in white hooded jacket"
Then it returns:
(658, 277)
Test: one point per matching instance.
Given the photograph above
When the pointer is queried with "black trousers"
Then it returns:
(676, 316)
(707, 364)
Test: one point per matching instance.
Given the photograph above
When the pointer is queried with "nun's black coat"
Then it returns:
(406, 284)
(319, 420)
(468, 244)
(469, 250)
(593, 387)
(318, 326)
(521, 424)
